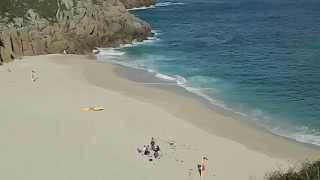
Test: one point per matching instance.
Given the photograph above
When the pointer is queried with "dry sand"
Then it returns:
(45, 135)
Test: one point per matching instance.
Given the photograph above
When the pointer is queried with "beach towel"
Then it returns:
(92, 108)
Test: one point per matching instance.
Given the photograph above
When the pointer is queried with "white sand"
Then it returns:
(45, 135)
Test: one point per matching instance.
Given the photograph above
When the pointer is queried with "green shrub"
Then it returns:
(18, 8)
(307, 171)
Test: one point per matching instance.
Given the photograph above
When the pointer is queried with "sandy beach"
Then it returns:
(45, 134)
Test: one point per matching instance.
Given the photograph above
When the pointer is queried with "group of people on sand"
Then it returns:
(151, 150)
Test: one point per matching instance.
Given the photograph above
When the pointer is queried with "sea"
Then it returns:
(259, 59)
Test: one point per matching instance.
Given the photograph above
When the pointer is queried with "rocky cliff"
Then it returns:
(34, 27)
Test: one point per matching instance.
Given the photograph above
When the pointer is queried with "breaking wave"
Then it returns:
(164, 4)
(161, 4)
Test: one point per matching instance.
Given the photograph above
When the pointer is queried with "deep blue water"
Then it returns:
(257, 57)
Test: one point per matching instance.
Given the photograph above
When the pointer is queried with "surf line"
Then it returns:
(169, 84)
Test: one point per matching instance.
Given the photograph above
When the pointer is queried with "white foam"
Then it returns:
(163, 4)
(156, 32)
(127, 45)
(141, 8)
(151, 70)
(199, 93)
(134, 43)
(165, 77)
(180, 80)
(307, 138)
(302, 134)
(111, 52)
(108, 54)
(152, 38)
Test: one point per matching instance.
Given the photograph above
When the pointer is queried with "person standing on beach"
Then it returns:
(202, 167)
(199, 169)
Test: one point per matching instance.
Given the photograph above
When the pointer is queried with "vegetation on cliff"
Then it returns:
(18, 8)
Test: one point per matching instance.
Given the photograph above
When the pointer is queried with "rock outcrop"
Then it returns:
(76, 26)
(129, 4)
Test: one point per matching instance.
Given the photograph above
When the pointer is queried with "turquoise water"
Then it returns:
(257, 58)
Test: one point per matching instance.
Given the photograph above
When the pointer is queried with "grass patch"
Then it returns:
(18, 8)
(307, 171)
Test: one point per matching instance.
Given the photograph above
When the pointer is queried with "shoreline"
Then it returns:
(127, 72)
(140, 76)
(151, 76)
(46, 135)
